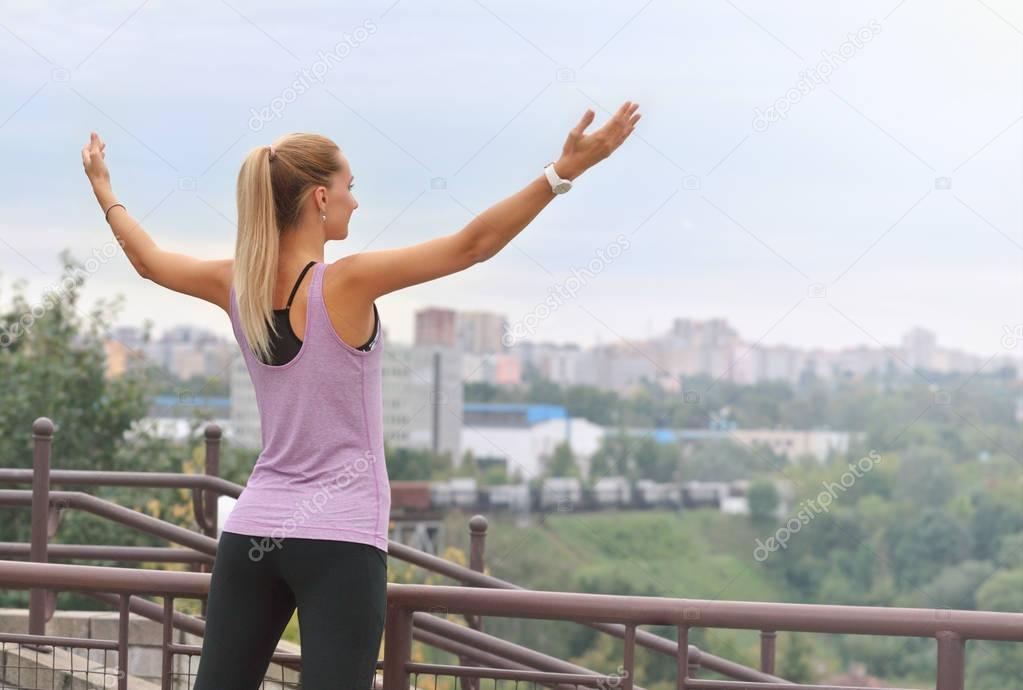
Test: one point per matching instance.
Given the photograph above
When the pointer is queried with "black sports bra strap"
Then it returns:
(298, 282)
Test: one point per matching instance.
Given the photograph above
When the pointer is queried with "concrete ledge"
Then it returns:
(96, 669)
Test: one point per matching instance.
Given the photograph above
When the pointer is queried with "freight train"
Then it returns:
(563, 494)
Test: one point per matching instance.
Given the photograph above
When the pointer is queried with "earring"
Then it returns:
(324, 217)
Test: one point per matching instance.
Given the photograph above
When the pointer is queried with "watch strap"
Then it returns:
(558, 184)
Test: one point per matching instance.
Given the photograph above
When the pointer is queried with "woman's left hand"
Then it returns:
(92, 160)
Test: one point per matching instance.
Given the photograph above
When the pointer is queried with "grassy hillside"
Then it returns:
(697, 554)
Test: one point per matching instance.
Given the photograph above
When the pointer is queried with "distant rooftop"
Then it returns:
(183, 405)
(511, 414)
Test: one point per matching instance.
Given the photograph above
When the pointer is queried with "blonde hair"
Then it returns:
(273, 184)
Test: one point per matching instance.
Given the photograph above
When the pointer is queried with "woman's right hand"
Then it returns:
(93, 155)
(583, 151)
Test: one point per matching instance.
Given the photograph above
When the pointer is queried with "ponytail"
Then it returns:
(273, 185)
(256, 251)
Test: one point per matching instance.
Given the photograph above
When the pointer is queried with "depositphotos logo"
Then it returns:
(813, 507)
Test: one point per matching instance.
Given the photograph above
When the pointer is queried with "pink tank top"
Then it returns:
(321, 473)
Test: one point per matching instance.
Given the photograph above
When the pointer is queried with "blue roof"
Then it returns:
(209, 401)
(663, 435)
(535, 412)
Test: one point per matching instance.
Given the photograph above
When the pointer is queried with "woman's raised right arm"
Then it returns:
(377, 273)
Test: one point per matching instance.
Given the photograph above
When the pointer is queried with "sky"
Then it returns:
(819, 174)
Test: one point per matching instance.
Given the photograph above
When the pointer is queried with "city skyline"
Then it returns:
(915, 344)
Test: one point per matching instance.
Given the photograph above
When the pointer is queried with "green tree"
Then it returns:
(614, 456)
(724, 461)
(925, 476)
(998, 664)
(53, 360)
(1002, 592)
(923, 544)
(763, 500)
(955, 587)
(1010, 551)
(795, 656)
(53, 364)
(562, 462)
(416, 464)
(992, 520)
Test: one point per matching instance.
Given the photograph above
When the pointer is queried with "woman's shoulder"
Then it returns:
(340, 277)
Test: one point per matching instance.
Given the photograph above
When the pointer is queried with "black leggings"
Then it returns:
(339, 588)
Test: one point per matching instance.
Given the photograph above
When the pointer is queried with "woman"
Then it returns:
(310, 529)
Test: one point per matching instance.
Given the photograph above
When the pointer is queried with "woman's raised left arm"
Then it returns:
(206, 279)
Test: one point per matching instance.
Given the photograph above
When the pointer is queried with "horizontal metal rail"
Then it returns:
(590, 680)
(149, 480)
(58, 641)
(102, 552)
(707, 613)
(117, 513)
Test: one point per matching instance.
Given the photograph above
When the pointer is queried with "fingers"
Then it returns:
(584, 122)
(624, 118)
(627, 122)
(95, 147)
(623, 122)
(626, 115)
(630, 116)
(626, 110)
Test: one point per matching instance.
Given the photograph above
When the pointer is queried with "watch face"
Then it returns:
(562, 188)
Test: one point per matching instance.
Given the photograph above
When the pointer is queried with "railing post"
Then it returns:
(477, 545)
(397, 647)
(213, 435)
(682, 659)
(209, 498)
(477, 541)
(767, 646)
(629, 662)
(42, 438)
(167, 658)
(951, 661)
(122, 644)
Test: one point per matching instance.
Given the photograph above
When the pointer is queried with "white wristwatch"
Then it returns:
(558, 185)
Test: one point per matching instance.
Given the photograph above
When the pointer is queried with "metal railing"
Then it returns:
(408, 614)
(47, 505)
(407, 603)
(46, 661)
(951, 629)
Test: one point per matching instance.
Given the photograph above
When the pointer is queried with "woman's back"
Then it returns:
(285, 343)
(321, 473)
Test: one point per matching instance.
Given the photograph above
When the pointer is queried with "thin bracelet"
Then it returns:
(106, 214)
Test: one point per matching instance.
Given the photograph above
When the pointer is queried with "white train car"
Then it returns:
(560, 493)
